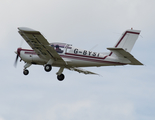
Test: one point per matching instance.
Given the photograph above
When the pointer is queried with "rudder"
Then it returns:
(128, 39)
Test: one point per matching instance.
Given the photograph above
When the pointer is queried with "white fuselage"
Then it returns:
(73, 57)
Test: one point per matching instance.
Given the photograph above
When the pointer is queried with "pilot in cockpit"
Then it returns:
(58, 49)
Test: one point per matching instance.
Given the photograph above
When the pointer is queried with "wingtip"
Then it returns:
(25, 29)
(134, 30)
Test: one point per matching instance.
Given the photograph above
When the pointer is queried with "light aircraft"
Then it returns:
(65, 56)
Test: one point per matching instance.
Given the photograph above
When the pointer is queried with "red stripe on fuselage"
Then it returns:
(27, 50)
(88, 58)
(79, 57)
(32, 53)
(84, 56)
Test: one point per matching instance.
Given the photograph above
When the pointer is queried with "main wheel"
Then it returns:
(25, 72)
(47, 68)
(61, 77)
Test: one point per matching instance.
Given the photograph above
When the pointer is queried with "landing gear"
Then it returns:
(60, 77)
(47, 68)
(25, 72)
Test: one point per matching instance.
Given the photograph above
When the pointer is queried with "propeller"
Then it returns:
(18, 55)
(16, 60)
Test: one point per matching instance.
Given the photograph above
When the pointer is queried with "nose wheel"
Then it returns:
(26, 72)
(60, 77)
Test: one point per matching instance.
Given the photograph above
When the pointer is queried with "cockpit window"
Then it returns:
(61, 47)
(58, 48)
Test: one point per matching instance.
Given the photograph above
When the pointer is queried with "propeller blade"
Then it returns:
(16, 60)
(18, 55)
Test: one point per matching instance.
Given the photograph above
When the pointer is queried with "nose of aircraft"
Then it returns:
(18, 51)
(18, 54)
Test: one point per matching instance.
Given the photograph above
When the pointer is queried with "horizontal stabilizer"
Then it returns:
(120, 52)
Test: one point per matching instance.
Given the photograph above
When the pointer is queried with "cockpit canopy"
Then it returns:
(61, 47)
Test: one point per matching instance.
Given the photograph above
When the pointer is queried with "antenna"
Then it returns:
(94, 47)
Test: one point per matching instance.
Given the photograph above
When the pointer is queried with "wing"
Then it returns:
(82, 70)
(39, 44)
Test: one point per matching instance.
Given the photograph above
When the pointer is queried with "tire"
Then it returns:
(48, 68)
(61, 77)
(25, 72)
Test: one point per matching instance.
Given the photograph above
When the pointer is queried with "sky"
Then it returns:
(120, 93)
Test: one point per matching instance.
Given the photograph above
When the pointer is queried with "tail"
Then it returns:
(124, 46)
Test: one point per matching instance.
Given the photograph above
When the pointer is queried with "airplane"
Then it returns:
(65, 56)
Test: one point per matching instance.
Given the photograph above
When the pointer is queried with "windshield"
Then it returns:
(60, 47)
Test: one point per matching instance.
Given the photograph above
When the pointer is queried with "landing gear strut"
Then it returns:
(25, 71)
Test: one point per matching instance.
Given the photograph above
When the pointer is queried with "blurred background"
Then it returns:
(124, 92)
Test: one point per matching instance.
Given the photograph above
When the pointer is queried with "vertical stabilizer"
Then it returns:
(127, 40)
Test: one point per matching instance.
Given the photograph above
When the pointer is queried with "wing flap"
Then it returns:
(120, 52)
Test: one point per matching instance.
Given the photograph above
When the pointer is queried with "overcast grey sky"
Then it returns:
(122, 93)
